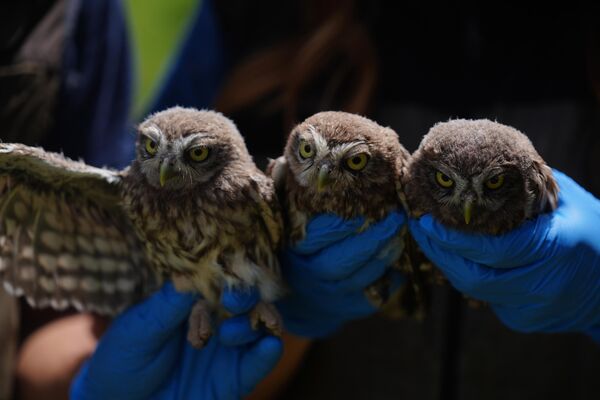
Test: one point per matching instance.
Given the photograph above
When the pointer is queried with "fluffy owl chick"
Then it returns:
(340, 163)
(192, 207)
(207, 215)
(479, 176)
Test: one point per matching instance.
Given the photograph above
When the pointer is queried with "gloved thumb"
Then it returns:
(259, 361)
(155, 319)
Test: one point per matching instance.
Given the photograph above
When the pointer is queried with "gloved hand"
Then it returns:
(329, 270)
(144, 353)
(543, 276)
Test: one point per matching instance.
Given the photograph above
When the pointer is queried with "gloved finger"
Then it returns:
(155, 319)
(574, 202)
(239, 300)
(343, 258)
(106, 374)
(237, 331)
(527, 317)
(511, 287)
(354, 305)
(396, 280)
(369, 272)
(521, 246)
(258, 361)
(361, 278)
(78, 386)
(345, 306)
(324, 230)
(463, 274)
(566, 184)
(594, 333)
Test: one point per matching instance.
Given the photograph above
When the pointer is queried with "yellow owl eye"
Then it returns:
(151, 146)
(357, 162)
(306, 150)
(495, 182)
(443, 180)
(198, 154)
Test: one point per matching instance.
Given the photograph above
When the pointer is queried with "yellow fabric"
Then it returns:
(156, 27)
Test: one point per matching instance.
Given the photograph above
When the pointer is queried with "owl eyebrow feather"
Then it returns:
(198, 138)
(343, 148)
(320, 141)
(442, 167)
(313, 130)
(152, 131)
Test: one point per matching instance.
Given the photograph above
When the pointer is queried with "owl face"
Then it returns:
(477, 176)
(340, 153)
(471, 198)
(181, 148)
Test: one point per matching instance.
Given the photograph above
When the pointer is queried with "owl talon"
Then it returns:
(267, 315)
(200, 325)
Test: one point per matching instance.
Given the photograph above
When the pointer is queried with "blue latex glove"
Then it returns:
(144, 353)
(543, 276)
(329, 270)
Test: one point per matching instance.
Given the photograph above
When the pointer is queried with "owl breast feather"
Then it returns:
(203, 245)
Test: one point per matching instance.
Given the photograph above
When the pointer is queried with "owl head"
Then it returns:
(181, 148)
(337, 153)
(480, 176)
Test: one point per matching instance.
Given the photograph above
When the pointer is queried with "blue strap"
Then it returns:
(95, 94)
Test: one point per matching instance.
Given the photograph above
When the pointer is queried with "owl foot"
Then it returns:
(200, 325)
(266, 314)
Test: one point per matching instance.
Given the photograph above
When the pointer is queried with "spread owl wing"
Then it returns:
(64, 239)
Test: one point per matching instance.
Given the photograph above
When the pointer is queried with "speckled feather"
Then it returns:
(222, 231)
(64, 241)
(227, 234)
(372, 192)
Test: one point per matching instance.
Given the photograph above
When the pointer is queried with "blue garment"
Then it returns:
(95, 96)
(92, 114)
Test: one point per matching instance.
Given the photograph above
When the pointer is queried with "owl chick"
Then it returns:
(344, 164)
(192, 207)
(479, 176)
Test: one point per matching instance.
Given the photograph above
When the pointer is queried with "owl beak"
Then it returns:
(467, 210)
(167, 171)
(323, 179)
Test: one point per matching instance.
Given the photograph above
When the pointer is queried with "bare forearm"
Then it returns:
(49, 358)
